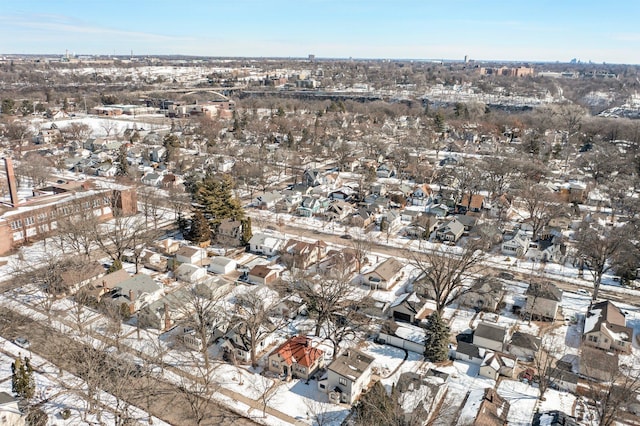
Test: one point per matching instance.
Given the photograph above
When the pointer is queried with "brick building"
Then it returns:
(36, 216)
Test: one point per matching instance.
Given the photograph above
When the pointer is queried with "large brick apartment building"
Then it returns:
(36, 216)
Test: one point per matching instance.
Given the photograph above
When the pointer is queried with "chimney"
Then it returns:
(131, 296)
(11, 180)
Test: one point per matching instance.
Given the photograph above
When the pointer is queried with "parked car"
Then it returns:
(23, 342)
(583, 292)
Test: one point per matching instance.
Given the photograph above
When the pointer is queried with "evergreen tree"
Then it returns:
(23, 383)
(436, 347)
(216, 201)
(123, 164)
(115, 266)
(199, 231)
(246, 231)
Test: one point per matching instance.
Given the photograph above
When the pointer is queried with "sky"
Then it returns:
(516, 30)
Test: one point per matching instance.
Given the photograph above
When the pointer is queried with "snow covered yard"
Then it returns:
(522, 399)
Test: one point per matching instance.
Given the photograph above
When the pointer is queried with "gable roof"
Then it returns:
(389, 268)
(115, 278)
(605, 316)
(470, 349)
(545, 290)
(525, 340)
(298, 350)
(260, 271)
(491, 332)
(454, 226)
(351, 363)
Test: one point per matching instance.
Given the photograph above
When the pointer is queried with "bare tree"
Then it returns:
(618, 387)
(256, 318)
(77, 131)
(109, 126)
(545, 360)
(445, 274)
(598, 247)
(540, 203)
(204, 313)
(150, 199)
(199, 392)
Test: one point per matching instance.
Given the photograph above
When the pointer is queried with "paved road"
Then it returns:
(631, 297)
(165, 401)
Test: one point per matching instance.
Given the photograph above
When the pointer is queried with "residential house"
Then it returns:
(191, 254)
(222, 265)
(451, 231)
(422, 195)
(268, 200)
(385, 171)
(10, 414)
(497, 364)
(262, 275)
(553, 418)
(344, 193)
(563, 379)
(135, 292)
(490, 336)
(524, 346)
(312, 205)
(266, 244)
(598, 364)
(543, 300)
(338, 211)
(469, 352)
(467, 220)
(297, 357)
(475, 204)
(421, 227)
(190, 273)
(438, 210)
(484, 295)
(235, 347)
(385, 275)
(547, 250)
(484, 407)
(288, 203)
(347, 376)
(229, 232)
(152, 179)
(338, 263)
(73, 279)
(420, 396)
(605, 327)
(408, 307)
(516, 244)
(362, 218)
(47, 136)
(303, 254)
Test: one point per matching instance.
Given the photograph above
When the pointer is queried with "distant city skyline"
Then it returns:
(402, 29)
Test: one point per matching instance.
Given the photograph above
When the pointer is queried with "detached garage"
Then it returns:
(222, 265)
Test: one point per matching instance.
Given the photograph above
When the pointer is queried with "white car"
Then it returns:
(22, 342)
(583, 292)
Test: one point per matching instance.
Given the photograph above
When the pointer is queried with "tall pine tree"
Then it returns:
(199, 231)
(215, 199)
(436, 345)
(23, 383)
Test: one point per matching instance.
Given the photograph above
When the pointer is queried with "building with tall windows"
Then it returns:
(28, 217)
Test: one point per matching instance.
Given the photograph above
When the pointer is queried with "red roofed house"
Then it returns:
(296, 358)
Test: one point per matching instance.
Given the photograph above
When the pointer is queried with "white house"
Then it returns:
(516, 245)
(190, 273)
(191, 254)
(497, 364)
(347, 376)
(10, 414)
(266, 244)
(222, 265)
(490, 336)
